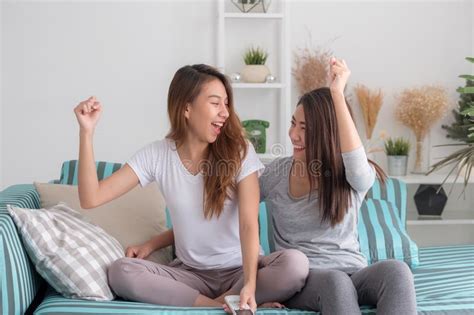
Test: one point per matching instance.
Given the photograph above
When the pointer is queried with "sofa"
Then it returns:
(444, 276)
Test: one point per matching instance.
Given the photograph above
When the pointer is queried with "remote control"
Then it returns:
(233, 302)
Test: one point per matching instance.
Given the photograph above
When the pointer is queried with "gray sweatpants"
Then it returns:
(386, 284)
(280, 275)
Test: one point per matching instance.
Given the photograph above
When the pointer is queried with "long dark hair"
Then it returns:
(323, 155)
(227, 152)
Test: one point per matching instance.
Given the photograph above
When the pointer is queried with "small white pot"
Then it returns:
(255, 73)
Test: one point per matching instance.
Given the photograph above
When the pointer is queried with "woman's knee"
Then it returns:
(333, 287)
(121, 275)
(396, 272)
(335, 281)
(296, 264)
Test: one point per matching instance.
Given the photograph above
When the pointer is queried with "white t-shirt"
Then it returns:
(200, 243)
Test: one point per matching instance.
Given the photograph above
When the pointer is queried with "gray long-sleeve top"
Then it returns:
(297, 221)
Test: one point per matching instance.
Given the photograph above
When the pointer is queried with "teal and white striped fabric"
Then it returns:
(444, 281)
(19, 281)
(395, 191)
(69, 171)
(56, 304)
(382, 235)
(265, 229)
(444, 284)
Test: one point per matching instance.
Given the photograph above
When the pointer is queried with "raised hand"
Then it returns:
(338, 75)
(88, 113)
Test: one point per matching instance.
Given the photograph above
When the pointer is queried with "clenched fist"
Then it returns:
(88, 113)
(338, 75)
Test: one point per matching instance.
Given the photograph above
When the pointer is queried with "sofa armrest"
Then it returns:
(19, 281)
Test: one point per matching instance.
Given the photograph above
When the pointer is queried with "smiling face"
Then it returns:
(297, 134)
(208, 112)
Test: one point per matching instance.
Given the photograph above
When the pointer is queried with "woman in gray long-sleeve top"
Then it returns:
(314, 197)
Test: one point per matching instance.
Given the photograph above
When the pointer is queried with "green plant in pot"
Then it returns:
(255, 70)
(462, 160)
(397, 155)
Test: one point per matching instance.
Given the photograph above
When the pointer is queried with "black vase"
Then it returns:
(428, 201)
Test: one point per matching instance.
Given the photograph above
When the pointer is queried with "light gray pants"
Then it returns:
(280, 275)
(388, 285)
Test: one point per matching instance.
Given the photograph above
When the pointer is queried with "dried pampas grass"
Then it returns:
(370, 103)
(311, 69)
(419, 109)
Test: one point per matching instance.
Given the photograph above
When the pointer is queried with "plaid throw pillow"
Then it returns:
(70, 253)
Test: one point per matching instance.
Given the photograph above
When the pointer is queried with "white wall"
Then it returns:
(55, 54)
(392, 45)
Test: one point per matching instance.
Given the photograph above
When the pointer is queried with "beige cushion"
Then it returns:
(132, 218)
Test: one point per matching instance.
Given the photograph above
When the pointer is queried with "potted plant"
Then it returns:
(397, 154)
(462, 160)
(255, 70)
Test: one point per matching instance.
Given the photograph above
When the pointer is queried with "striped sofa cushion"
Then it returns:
(382, 235)
(395, 191)
(265, 229)
(443, 283)
(69, 171)
(19, 282)
(56, 304)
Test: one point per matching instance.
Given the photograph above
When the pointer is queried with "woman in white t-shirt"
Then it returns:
(208, 174)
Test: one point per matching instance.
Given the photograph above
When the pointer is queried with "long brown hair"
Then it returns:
(225, 155)
(323, 155)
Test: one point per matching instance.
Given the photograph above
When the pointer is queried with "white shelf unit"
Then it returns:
(282, 87)
(447, 217)
(435, 179)
(455, 226)
(457, 212)
(253, 15)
